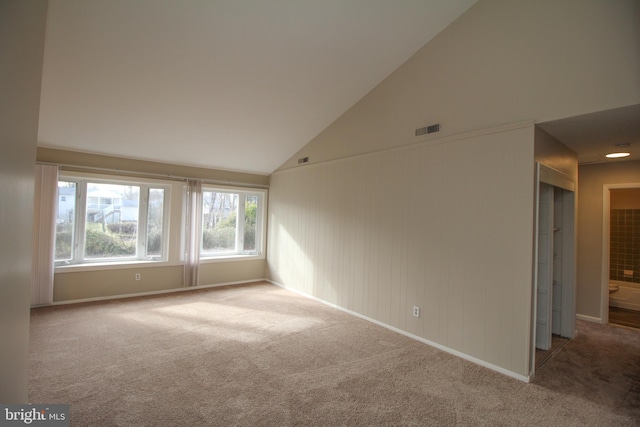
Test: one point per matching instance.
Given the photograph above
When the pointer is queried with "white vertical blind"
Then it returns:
(44, 230)
(193, 232)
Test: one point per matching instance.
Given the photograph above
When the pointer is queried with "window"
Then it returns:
(65, 220)
(232, 222)
(110, 221)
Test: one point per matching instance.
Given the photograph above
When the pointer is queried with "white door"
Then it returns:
(558, 252)
(544, 285)
(566, 261)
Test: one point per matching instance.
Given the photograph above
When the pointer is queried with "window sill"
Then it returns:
(113, 265)
(231, 258)
(97, 266)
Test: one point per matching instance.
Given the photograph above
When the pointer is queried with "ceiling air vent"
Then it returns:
(303, 160)
(428, 129)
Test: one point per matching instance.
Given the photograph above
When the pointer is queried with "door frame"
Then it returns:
(606, 242)
(547, 175)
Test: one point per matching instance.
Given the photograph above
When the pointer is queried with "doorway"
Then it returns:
(621, 255)
(554, 277)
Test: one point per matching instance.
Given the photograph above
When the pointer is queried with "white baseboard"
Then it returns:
(589, 318)
(457, 353)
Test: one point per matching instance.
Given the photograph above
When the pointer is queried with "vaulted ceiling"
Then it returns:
(227, 84)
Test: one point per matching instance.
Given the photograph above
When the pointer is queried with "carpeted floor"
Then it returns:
(261, 355)
(542, 356)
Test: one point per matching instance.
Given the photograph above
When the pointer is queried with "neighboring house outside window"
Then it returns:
(104, 220)
(108, 220)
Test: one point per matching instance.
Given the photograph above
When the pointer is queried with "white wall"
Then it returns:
(22, 26)
(552, 153)
(501, 62)
(445, 225)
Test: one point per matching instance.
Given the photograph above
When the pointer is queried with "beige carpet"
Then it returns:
(260, 355)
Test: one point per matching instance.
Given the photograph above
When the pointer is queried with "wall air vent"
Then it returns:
(428, 129)
(303, 160)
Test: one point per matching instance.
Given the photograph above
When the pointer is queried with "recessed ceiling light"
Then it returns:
(617, 155)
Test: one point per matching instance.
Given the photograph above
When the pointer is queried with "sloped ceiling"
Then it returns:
(227, 84)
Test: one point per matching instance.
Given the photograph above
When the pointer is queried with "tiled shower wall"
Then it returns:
(625, 245)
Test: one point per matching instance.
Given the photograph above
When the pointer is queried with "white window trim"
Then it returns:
(261, 225)
(78, 261)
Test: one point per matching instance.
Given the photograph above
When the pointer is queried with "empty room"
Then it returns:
(316, 212)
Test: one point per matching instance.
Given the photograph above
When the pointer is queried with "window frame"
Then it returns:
(260, 235)
(82, 181)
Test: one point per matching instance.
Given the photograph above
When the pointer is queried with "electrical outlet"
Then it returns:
(137, 276)
(416, 311)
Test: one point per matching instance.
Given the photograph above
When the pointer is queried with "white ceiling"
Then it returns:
(593, 135)
(228, 84)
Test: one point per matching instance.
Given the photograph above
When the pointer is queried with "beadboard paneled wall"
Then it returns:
(445, 225)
